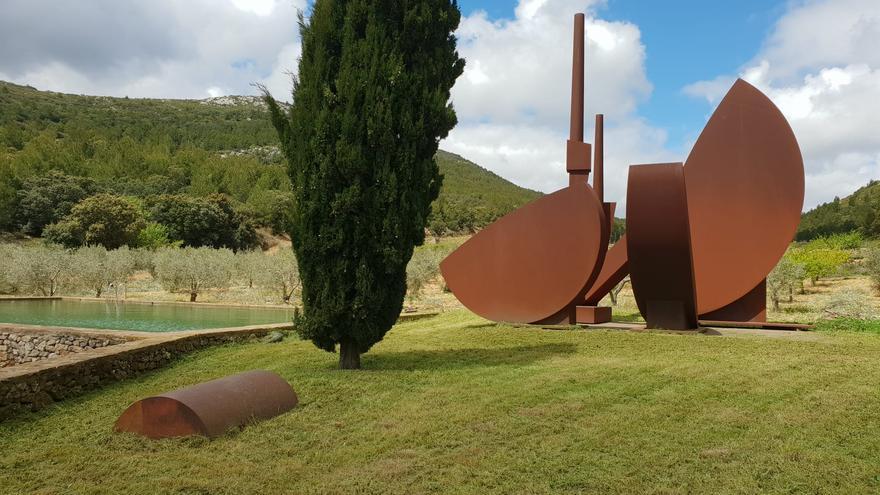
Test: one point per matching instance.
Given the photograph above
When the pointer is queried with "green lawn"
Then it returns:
(453, 404)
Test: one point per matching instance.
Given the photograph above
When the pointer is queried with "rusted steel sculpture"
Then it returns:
(535, 264)
(210, 408)
(701, 238)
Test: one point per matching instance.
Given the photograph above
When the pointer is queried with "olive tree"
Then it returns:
(249, 266)
(193, 270)
(7, 267)
(872, 266)
(819, 261)
(423, 267)
(782, 280)
(40, 269)
(89, 268)
(121, 264)
(280, 273)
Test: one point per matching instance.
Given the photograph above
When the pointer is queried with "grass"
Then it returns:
(454, 404)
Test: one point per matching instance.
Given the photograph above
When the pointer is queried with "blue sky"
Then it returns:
(685, 41)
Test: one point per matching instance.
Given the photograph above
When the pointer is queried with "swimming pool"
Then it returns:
(136, 316)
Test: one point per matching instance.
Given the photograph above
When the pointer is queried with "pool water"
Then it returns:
(117, 315)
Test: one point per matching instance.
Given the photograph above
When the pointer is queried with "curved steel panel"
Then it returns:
(745, 192)
(534, 262)
(658, 243)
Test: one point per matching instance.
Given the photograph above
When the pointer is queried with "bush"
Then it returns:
(849, 304)
(849, 240)
(104, 219)
(211, 221)
(818, 260)
(193, 270)
(272, 209)
(47, 199)
(154, 236)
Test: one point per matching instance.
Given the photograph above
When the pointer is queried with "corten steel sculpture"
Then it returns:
(210, 408)
(701, 238)
(535, 264)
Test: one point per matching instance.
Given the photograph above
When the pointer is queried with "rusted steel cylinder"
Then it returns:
(576, 128)
(210, 408)
(659, 246)
(599, 160)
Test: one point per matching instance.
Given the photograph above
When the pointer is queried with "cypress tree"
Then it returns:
(370, 105)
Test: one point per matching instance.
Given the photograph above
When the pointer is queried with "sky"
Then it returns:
(655, 69)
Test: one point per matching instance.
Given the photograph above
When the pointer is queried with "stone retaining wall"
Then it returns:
(32, 386)
(21, 346)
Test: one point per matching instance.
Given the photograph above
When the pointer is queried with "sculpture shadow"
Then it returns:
(464, 358)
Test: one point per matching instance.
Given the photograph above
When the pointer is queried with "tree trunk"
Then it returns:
(97, 291)
(790, 294)
(349, 357)
(775, 300)
(192, 296)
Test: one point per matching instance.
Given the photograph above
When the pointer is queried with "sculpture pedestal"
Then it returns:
(592, 314)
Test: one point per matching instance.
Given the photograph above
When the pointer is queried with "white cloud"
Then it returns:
(821, 67)
(258, 7)
(512, 101)
(514, 98)
(161, 48)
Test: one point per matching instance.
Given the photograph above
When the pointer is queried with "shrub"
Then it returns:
(154, 236)
(48, 198)
(819, 261)
(104, 219)
(211, 221)
(849, 304)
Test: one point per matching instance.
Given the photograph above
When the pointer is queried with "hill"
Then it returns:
(144, 147)
(857, 211)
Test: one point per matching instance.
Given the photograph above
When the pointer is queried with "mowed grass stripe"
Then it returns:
(454, 404)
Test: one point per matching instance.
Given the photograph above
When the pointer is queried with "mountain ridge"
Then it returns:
(190, 143)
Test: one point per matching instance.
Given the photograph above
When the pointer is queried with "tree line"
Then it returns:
(51, 270)
(142, 148)
(859, 212)
(820, 258)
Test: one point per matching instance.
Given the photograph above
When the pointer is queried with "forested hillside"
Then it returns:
(170, 159)
(856, 212)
